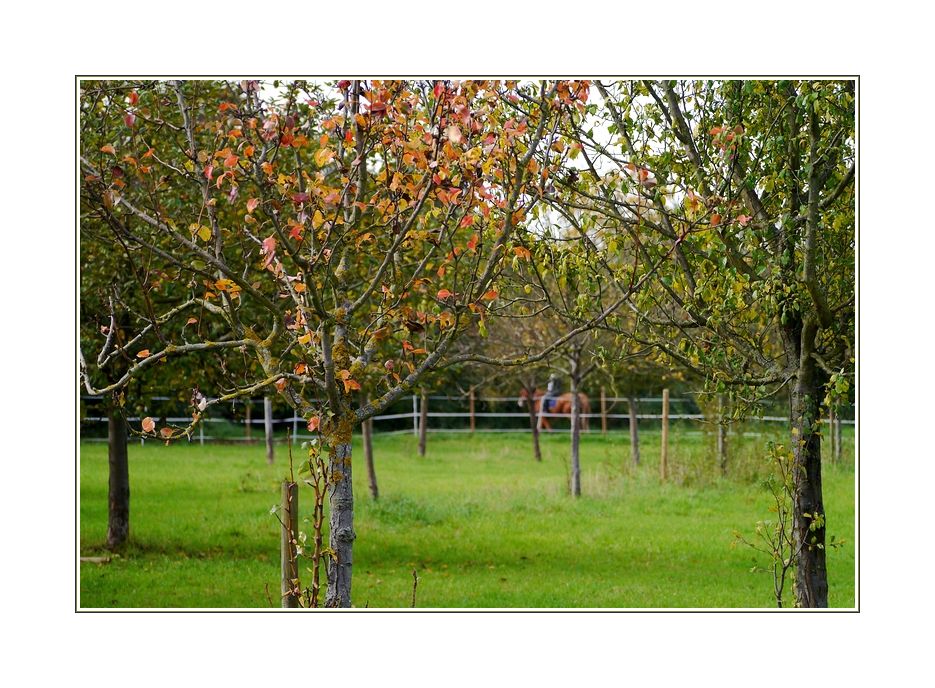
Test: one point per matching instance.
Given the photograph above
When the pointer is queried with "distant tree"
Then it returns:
(733, 202)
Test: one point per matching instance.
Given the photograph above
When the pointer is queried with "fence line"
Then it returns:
(416, 413)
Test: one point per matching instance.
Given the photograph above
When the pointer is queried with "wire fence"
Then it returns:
(444, 413)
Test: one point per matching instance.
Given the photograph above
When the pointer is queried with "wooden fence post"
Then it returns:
(415, 416)
(289, 558)
(423, 422)
(664, 461)
(268, 427)
(603, 411)
(248, 420)
(471, 406)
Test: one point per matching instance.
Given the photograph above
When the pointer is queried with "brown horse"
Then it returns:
(562, 406)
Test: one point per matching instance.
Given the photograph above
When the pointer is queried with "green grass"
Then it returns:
(482, 522)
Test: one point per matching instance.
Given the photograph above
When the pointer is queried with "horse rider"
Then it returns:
(552, 391)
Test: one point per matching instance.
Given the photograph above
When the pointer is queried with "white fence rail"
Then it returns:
(298, 424)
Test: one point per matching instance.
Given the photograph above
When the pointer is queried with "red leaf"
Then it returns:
(344, 83)
(443, 294)
(166, 432)
(209, 172)
(743, 220)
(252, 204)
(129, 119)
(313, 423)
(439, 89)
(134, 97)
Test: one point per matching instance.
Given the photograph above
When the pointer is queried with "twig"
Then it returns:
(415, 585)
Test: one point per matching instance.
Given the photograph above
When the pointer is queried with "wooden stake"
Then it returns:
(248, 420)
(603, 411)
(289, 558)
(268, 427)
(664, 461)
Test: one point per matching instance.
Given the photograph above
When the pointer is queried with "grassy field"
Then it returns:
(482, 522)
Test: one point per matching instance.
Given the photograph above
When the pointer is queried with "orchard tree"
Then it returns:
(737, 199)
(328, 234)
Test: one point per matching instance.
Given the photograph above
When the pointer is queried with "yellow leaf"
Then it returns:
(323, 156)
(204, 233)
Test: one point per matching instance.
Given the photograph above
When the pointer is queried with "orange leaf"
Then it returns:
(313, 423)
(143, 354)
(300, 368)
(252, 204)
(349, 385)
(148, 424)
(108, 149)
(231, 160)
(491, 295)
(166, 432)
(281, 384)
(472, 242)
(522, 252)
(715, 220)
(443, 294)
(191, 321)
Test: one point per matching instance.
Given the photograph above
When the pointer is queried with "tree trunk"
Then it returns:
(118, 498)
(367, 431)
(811, 579)
(634, 433)
(423, 421)
(534, 424)
(837, 437)
(664, 458)
(342, 534)
(575, 437)
(721, 436)
(603, 411)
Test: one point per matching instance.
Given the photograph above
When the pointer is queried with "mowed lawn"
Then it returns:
(480, 520)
